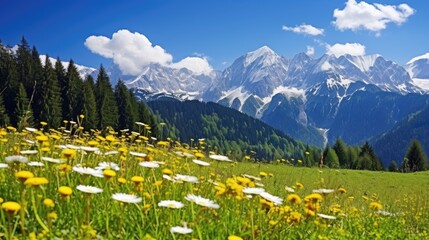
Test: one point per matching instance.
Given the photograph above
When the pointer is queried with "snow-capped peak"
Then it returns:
(83, 70)
(364, 63)
(424, 56)
(266, 55)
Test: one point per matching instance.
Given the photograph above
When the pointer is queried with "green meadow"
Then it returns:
(76, 185)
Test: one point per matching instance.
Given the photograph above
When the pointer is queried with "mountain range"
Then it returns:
(316, 100)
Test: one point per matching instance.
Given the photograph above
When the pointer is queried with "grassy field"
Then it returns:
(84, 186)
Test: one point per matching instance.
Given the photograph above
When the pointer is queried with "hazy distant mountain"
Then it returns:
(82, 70)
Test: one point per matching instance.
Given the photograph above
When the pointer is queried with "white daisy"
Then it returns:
(188, 155)
(29, 152)
(110, 153)
(35, 164)
(70, 146)
(259, 184)
(3, 165)
(181, 230)
(52, 160)
(220, 158)
(89, 189)
(16, 158)
(165, 176)
(250, 190)
(126, 198)
(160, 163)
(30, 129)
(170, 204)
(251, 177)
(201, 163)
(326, 216)
(267, 196)
(179, 154)
(201, 201)
(385, 213)
(289, 189)
(30, 142)
(149, 164)
(138, 154)
(109, 165)
(83, 170)
(185, 178)
(89, 149)
(140, 123)
(323, 191)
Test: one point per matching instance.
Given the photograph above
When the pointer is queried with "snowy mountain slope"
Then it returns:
(83, 70)
(418, 68)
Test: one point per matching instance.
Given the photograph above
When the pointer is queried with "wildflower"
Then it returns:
(201, 201)
(122, 180)
(375, 206)
(109, 173)
(313, 197)
(385, 213)
(199, 155)
(201, 163)
(11, 207)
(342, 190)
(220, 158)
(255, 191)
(83, 170)
(49, 203)
(185, 178)
(53, 216)
(233, 237)
(157, 183)
(299, 185)
(289, 189)
(29, 152)
(107, 165)
(3, 165)
(274, 199)
(30, 129)
(149, 164)
(167, 171)
(165, 176)
(93, 143)
(36, 164)
(89, 149)
(326, 216)
(294, 217)
(110, 153)
(24, 175)
(323, 191)
(251, 177)
(65, 191)
(36, 181)
(89, 189)
(180, 230)
(294, 198)
(16, 158)
(126, 198)
(263, 174)
(170, 204)
(68, 153)
(137, 179)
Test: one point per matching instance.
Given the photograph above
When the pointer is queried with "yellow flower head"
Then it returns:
(342, 190)
(49, 203)
(122, 180)
(233, 237)
(93, 143)
(65, 191)
(167, 171)
(199, 155)
(294, 198)
(68, 153)
(263, 174)
(53, 216)
(24, 175)
(11, 207)
(299, 185)
(42, 138)
(294, 217)
(110, 138)
(36, 181)
(108, 173)
(137, 179)
(313, 197)
(375, 206)
(43, 123)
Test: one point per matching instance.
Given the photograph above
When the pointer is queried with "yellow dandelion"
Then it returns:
(313, 197)
(263, 174)
(342, 190)
(199, 155)
(157, 183)
(122, 180)
(299, 185)
(122, 150)
(110, 138)
(68, 153)
(167, 171)
(137, 179)
(42, 138)
(53, 216)
(49, 203)
(65, 191)
(233, 237)
(294, 198)
(11, 207)
(375, 206)
(36, 181)
(43, 123)
(108, 173)
(93, 143)
(24, 175)
(295, 217)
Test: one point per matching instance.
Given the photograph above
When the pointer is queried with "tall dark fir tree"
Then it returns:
(39, 85)
(126, 114)
(50, 99)
(416, 157)
(89, 104)
(106, 102)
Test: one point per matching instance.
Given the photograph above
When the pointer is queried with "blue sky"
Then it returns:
(212, 34)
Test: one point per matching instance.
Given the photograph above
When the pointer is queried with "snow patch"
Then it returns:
(421, 83)
(424, 56)
(364, 63)
(265, 53)
(326, 66)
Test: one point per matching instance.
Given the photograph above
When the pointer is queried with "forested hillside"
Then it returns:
(226, 130)
(32, 92)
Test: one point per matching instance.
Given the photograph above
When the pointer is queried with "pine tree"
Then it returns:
(50, 99)
(24, 66)
(368, 152)
(127, 116)
(393, 166)
(106, 103)
(9, 83)
(341, 150)
(39, 84)
(23, 110)
(89, 104)
(331, 159)
(74, 90)
(416, 156)
(4, 118)
(62, 80)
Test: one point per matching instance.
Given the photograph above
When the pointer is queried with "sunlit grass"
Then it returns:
(84, 185)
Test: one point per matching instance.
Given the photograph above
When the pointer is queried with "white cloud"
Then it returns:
(310, 51)
(197, 65)
(354, 49)
(133, 51)
(372, 17)
(305, 29)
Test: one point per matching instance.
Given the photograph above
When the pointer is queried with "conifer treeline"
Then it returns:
(31, 92)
